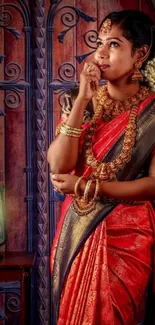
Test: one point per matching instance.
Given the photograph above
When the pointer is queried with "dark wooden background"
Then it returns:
(43, 46)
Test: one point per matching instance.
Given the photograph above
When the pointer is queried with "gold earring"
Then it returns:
(137, 76)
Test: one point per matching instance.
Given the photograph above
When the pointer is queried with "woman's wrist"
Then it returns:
(75, 118)
(80, 99)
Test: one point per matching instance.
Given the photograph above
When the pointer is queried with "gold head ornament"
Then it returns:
(106, 26)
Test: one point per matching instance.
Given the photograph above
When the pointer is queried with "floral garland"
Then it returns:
(149, 74)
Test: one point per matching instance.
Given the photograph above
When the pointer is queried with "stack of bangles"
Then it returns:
(70, 131)
(87, 189)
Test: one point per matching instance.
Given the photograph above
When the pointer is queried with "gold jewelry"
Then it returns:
(82, 208)
(107, 108)
(72, 128)
(57, 131)
(101, 171)
(137, 76)
(70, 131)
(88, 68)
(96, 190)
(87, 188)
(69, 134)
(106, 26)
(107, 171)
(82, 205)
(77, 185)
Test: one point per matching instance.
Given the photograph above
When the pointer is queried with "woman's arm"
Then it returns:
(63, 152)
(137, 190)
(140, 189)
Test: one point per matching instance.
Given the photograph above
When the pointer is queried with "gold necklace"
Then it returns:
(108, 108)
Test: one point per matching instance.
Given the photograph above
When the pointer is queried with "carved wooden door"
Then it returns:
(43, 45)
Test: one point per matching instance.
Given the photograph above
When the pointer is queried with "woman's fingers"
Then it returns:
(56, 181)
(61, 187)
(92, 69)
(58, 177)
(57, 190)
(57, 186)
(89, 80)
(64, 183)
(92, 73)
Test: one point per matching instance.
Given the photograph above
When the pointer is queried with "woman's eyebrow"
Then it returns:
(110, 38)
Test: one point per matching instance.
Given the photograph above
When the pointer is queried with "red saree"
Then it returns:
(110, 264)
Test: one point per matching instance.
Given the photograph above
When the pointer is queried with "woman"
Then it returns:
(102, 255)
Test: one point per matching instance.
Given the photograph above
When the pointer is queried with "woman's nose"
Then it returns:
(101, 54)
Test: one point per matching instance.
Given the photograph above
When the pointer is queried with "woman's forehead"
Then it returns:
(114, 32)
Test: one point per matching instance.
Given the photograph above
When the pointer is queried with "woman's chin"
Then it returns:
(104, 76)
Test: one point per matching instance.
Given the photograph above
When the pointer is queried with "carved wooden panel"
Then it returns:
(43, 45)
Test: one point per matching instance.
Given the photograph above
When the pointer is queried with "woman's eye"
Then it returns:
(114, 44)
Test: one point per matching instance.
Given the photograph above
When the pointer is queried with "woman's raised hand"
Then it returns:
(89, 81)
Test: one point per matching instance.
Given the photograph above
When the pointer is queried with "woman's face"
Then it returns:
(114, 55)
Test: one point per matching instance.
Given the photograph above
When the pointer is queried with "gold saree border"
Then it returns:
(76, 227)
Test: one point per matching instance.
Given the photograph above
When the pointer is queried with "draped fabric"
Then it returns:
(106, 279)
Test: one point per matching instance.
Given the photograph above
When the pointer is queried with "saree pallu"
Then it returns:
(101, 262)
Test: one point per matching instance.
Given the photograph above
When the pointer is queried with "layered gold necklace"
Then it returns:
(107, 109)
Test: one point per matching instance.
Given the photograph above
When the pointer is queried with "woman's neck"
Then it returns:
(122, 92)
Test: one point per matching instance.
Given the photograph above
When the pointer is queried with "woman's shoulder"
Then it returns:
(151, 101)
(148, 104)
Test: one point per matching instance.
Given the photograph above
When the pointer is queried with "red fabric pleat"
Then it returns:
(108, 279)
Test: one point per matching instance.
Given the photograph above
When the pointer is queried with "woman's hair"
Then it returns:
(136, 26)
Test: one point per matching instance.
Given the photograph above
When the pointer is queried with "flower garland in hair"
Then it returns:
(149, 74)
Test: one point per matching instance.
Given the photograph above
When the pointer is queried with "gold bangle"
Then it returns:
(57, 131)
(63, 128)
(73, 129)
(69, 133)
(68, 130)
(96, 190)
(77, 185)
(87, 188)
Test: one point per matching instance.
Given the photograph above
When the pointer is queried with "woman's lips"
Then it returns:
(104, 66)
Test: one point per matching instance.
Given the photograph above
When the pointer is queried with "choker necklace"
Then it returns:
(107, 109)
(110, 108)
